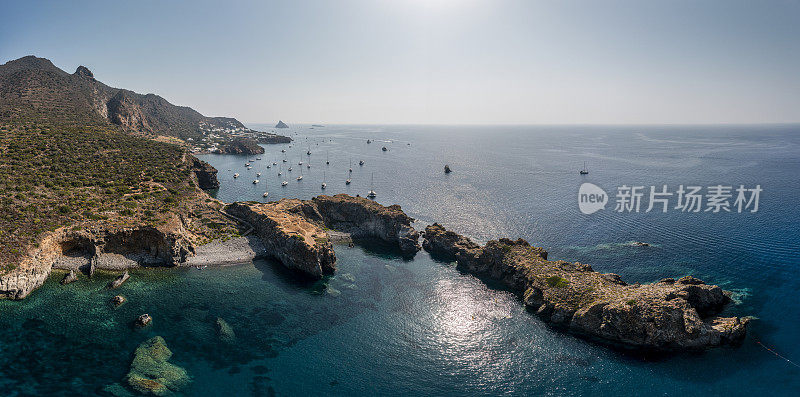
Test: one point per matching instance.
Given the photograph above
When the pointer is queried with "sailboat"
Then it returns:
(347, 182)
(361, 162)
(300, 178)
(308, 153)
(327, 158)
(584, 171)
(236, 175)
(372, 193)
(324, 185)
(351, 166)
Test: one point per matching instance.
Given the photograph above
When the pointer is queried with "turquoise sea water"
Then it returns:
(387, 326)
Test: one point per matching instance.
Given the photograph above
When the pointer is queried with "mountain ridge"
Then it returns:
(31, 87)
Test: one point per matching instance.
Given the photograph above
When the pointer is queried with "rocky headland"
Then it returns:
(668, 315)
(362, 218)
(296, 232)
(288, 236)
(241, 146)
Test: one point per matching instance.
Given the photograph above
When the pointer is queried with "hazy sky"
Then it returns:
(434, 61)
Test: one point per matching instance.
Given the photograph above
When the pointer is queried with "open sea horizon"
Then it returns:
(384, 325)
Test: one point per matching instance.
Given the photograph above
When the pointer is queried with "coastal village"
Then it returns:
(222, 131)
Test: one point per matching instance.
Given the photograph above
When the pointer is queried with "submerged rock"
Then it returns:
(224, 331)
(150, 371)
(144, 320)
(667, 315)
(69, 277)
(115, 283)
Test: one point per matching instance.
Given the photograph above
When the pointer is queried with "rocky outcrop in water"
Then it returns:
(668, 315)
(364, 218)
(118, 281)
(281, 124)
(144, 320)
(206, 174)
(118, 300)
(288, 236)
(70, 277)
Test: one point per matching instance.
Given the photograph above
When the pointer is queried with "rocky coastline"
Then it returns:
(670, 315)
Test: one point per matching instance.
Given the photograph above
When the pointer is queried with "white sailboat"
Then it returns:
(584, 171)
(324, 185)
(372, 193)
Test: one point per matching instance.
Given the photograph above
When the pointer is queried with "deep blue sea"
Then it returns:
(387, 326)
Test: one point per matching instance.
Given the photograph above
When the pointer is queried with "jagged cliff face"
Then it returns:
(364, 218)
(123, 110)
(668, 315)
(205, 173)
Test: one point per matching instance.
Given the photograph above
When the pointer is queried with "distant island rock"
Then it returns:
(281, 124)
